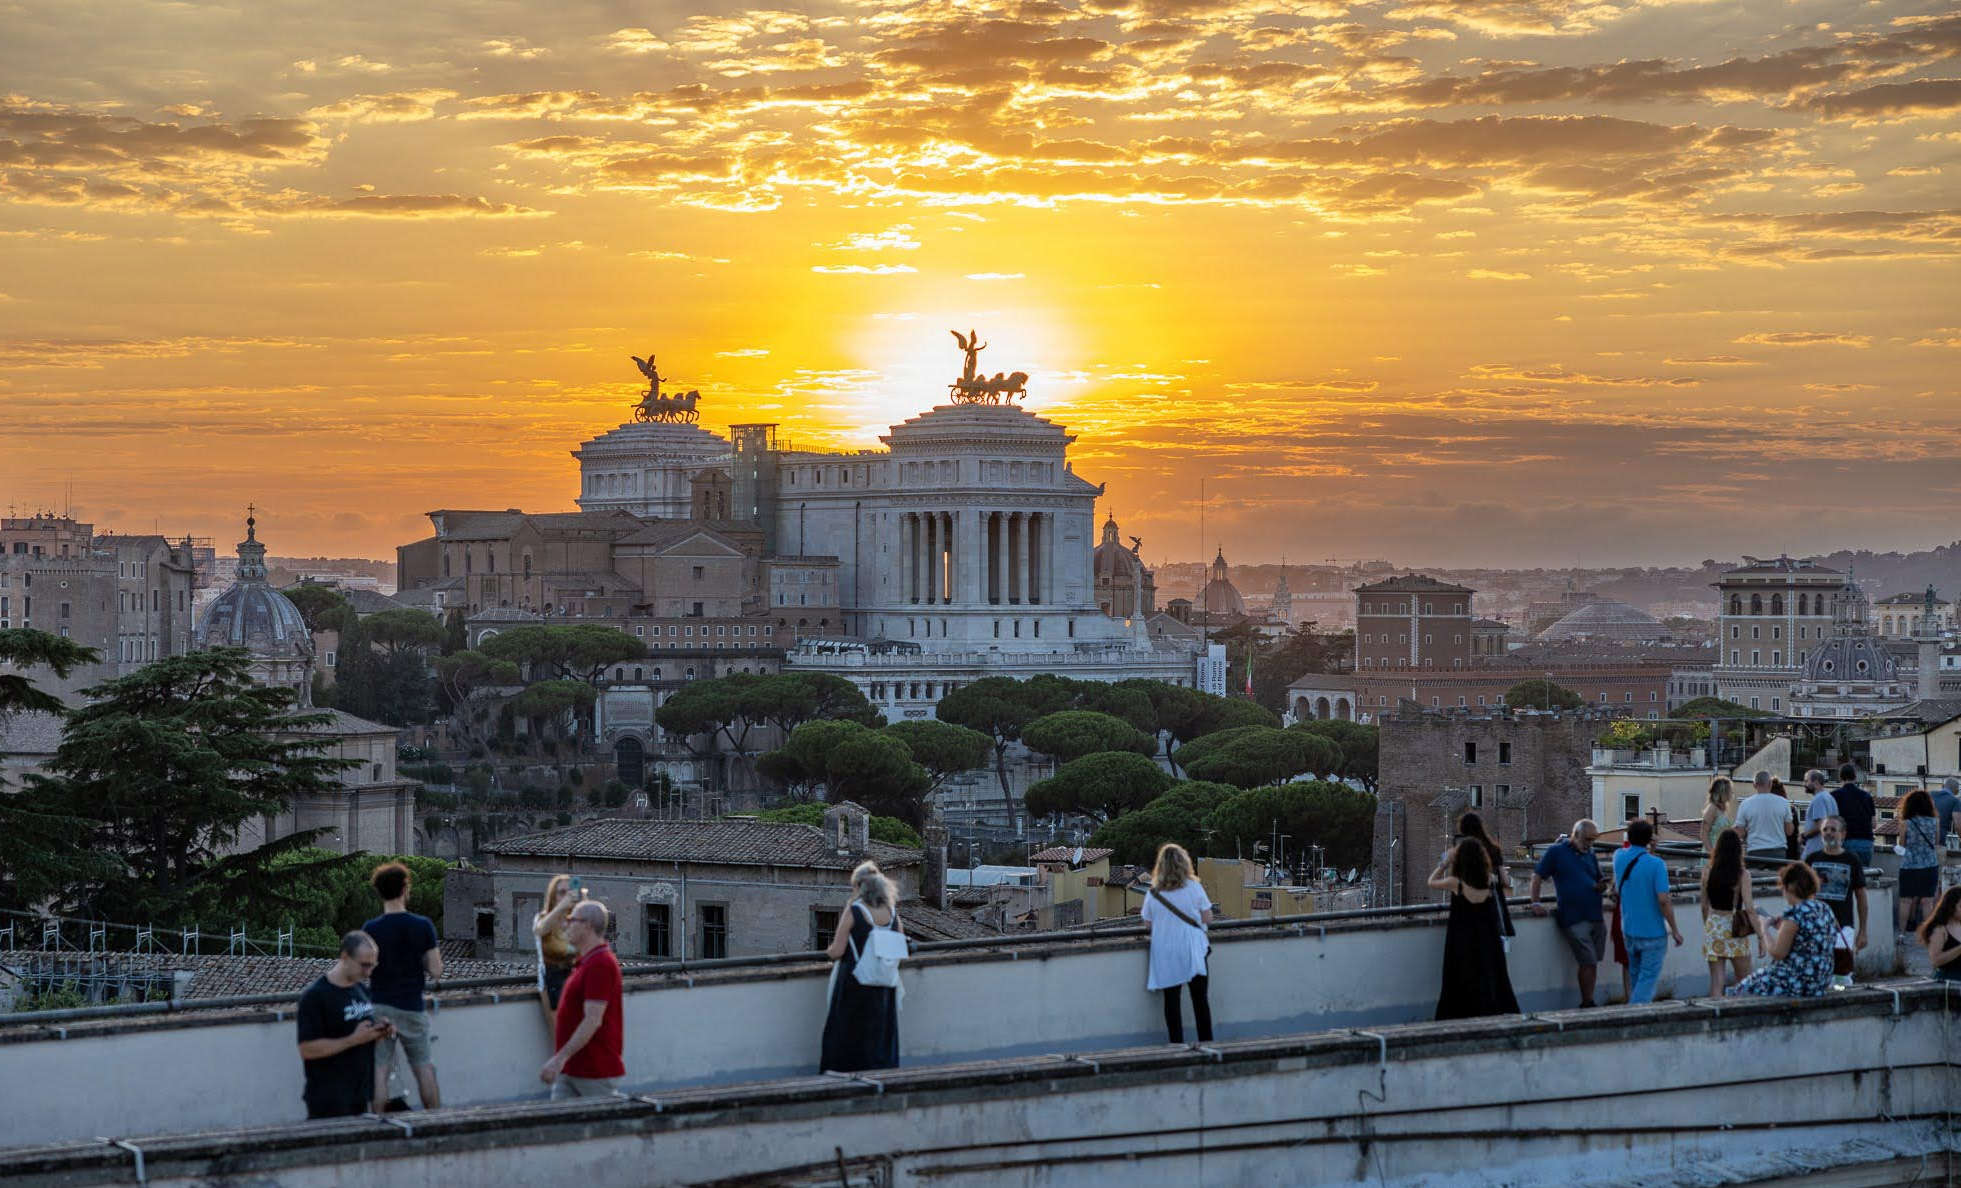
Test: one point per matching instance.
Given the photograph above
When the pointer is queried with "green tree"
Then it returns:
(889, 830)
(330, 896)
(404, 629)
(456, 632)
(1359, 747)
(1293, 656)
(385, 684)
(22, 647)
(166, 766)
(322, 607)
(856, 763)
(580, 652)
(1071, 734)
(1714, 707)
(1333, 816)
(471, 681)
(943, 749)
(1257, 755)
(551, 704)
(1100, 786)
(1177, 815)
(787, 700)
(999, 707)
(1541, 694)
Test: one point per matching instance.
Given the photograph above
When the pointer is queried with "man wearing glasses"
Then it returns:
(337, 1032)
(590, 1031)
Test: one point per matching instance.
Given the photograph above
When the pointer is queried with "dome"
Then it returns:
(1606, 618)
(1220, 596)
(1846, 658)
(250, 614)
(1125, 589)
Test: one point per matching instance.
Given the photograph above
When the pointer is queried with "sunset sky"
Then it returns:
(1443, 281)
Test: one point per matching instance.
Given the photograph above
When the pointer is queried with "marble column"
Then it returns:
(930, 592)
(905, 556)
(1051, 556)
(918, 558)
(997, 587)
(1032, 526)
(949, 546)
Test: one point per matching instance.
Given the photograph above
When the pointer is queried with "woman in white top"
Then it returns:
(1176, 912)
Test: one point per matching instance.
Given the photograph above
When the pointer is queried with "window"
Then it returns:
(1470, 752)
(1735, 632)
(658, 930)
(1629, 699)
(823, 926)
(1630, 806)
(714, 931)
(332, 659)
(1504, 748)
(63, 613)
(1756, 632)
(1756, 657)
(1501, 791)
(1477, 795)
(1776, 658)
(700, 572)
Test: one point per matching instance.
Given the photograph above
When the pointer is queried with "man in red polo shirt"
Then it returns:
(591, 1029)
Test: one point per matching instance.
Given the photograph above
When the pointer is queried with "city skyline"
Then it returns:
(1510, 283)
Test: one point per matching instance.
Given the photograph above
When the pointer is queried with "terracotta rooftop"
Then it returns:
(725, 843)
(1073, 855)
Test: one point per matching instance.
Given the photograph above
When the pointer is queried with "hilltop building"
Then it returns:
(1414, 621)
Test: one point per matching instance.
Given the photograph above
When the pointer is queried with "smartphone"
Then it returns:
(576, 885)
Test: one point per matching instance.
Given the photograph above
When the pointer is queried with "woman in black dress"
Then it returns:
(1475, 980)
(1471, 825)
(862, 1029)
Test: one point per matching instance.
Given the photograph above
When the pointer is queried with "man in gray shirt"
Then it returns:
(1822, 806)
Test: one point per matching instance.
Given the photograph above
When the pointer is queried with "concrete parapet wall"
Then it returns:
(226, 1069)
(1674, 1094)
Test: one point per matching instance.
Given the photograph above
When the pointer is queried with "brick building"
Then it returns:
(1525, 772)
(1413, 621)
(1632, 687)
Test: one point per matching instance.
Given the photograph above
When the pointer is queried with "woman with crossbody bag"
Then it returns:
(1176, 912)
(862, 1029)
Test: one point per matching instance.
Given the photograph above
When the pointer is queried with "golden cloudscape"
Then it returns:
(1516, 281)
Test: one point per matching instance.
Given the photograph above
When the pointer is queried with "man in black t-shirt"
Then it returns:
(1841, 887)
(337, 1030)
(1855, 806)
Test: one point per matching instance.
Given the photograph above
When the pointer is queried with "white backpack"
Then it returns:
(878, 965)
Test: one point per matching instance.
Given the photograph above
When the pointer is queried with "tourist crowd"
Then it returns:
(372, 1001)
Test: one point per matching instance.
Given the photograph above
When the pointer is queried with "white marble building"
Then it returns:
(964, 549)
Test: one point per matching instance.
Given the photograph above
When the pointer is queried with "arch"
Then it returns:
(630, 761)
(1321, 708)
(1776, 604)
(1736, 604)
(1302, 710)
(1756, 604)
(1804, 603)
(1343, 712)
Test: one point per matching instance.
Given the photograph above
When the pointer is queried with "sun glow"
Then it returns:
(915, 358)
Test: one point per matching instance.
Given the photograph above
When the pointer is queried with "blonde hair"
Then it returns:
(1173, 868)
(1719, 793)
(557, 951)
(872, 888)
(555, 890)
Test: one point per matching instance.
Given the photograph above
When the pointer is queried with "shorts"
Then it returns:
(411, 1031)
(1587, 939)
(568, 1087)
(1920, 882)
(554, 978)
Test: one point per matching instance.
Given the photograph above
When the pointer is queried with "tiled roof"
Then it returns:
(479, 525)
(342, 722)
(727, 843)
(1933, 712)
(1069, 854)
(223, 976)
(924, 922)
(29, 733)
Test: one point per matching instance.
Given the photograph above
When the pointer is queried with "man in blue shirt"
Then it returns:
(1577, 884)
(1647, 913)
(1947, 808)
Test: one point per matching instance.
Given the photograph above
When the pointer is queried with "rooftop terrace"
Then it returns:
(1039, 1060)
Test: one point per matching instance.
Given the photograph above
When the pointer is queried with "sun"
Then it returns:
(912, 356)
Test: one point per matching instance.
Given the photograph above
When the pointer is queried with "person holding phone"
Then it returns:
(337, 1032)
(555, 953)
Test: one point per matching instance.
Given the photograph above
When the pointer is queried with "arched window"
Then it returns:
(1776, 604)
(1756, 604)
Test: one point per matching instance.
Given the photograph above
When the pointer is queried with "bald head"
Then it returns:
(586, 926)
(1761, 781)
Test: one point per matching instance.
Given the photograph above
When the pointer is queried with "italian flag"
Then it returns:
(1249, 672)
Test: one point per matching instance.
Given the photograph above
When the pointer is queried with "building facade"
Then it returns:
(1414, 621)
(1524, 772)
(130, 597)
(1772, 613)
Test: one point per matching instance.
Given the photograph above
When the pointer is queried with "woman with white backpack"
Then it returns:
(862, 1030)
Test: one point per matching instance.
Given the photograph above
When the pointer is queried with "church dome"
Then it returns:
(1605, 618)
(1220, 596)
(250, 614)
(1114, 562)
(1850, 658)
